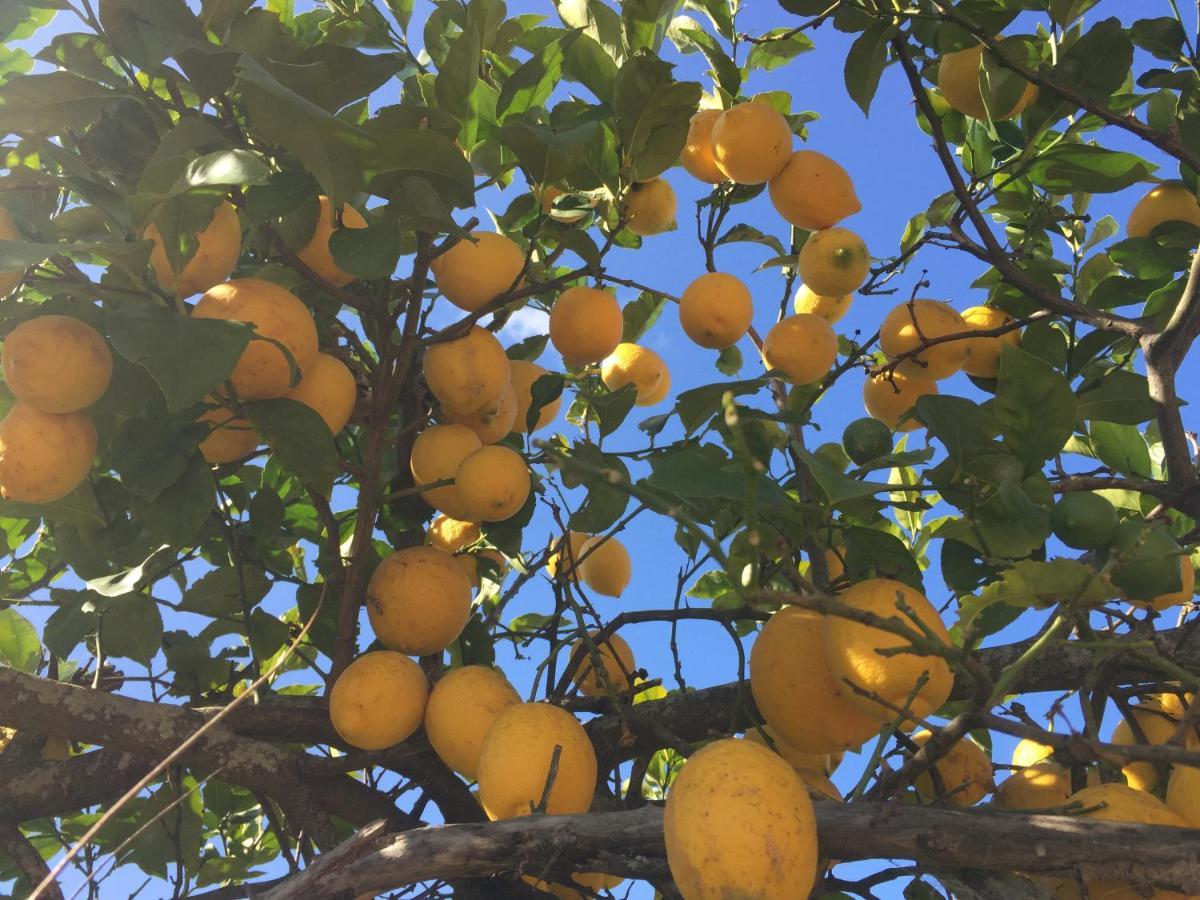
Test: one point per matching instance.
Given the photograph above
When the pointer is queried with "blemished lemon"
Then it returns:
(437, 453)
(834, 262)
(473, 273)
(796, 690)
(983, 353)
(493, 421)
(462, 707)
(958, 80)
(467, 373)
(514, 763)
(327, 387)
(697, 154)
(639, 366)
(831, 309)
(813, 192)
(715, 310)
(585, 325)
(854, 656)
(418, 601)
(218, 248)
(964, 770)
(739, 823)
(493, 483)
(909, 325)
(650, 207)
(316, 253)
(57, 364)
(264, 370)
(1170, 201)
(888, 397)
(616, 661)
(379, 700)
(230, 438)
(604, 565)
(1042, 786)
(44, 456)
(523, 376)
(9, 232)
(751, 143)
(803, 347)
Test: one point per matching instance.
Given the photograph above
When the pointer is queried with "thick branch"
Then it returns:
(27, 858)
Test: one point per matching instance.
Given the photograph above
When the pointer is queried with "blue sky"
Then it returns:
(896, 175)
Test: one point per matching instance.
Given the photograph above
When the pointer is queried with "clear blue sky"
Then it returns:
(896, 175)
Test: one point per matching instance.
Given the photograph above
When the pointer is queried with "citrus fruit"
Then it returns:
(1042, 786)
(218, 247)
(983, 353)
(475, 271)
(1145, 563)
(803, 347)
(822, 763)
(327, 387)
(437, 453)
(1084, 520)
(831, 309)
(379, 700)
(964, 770)
(1170, 201)
(316, 253)
(462, 707)
(650, 207)
(1183, 794)
(604, 565)
(751, 143)
(639, 366)
(44, 456)
(616, 660)
(888, 398)
(1029, 752)
(230, 438)
(523, 376)
(1187, 587)
(715, 310)
(493, 421)
(492, 483)
(418, 600)
(813, 192)
(866, 439)
(575, 540)
(909, 325)
(697, 154)
(834, 262)
(467, 373)
(1157, 729)
(958, 80)
(585, 325)
(56, 364)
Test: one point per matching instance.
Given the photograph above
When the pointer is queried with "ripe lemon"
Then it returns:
(854, 656)
(230, 437)
(44, 456)
(751, 143)
(1084, 520)
(616, 659)
(379, 700)
(316, 253)
(796, 691)
(834, 262)
(958, 80)
(1043, 786)
(493, 421)
(697, 154)
(327, 387)
(56, 364)
(803, 347)
(264, 371)
(585, 325)
(1170, 201)
(1158, 729)
(650, 207)
(452, 535)
(1187, 577)
(715, 310)
(965, 772)
(418, 600)
(462, 707)
(575, 540)
(983, 353)
(831, 309)
(523, 376)
(888, 398)
(9, 232)
(218, 248)
(493, 483)
(437, 453)
(910, 324)
(467, 373)
(639, 366)
(514, 764)
(604, 565)
(813, 192)
(822, 763)
(1029, 752)
(473, 273)
(1183, 794)
(739, 823)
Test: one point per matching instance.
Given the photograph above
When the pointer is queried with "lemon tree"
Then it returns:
(478, 449)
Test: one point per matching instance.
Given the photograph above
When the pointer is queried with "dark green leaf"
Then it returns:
(299, 438)
(51, 103)
(532, 83)
(865, 62)
(1121, 447)
(370, 252)
(1034, 405)
(131, 626)
(641, 314)
(871, 553)
(1118, 396)
(1164, 37)
(1084, 167)
(178, 512)
(653, 113)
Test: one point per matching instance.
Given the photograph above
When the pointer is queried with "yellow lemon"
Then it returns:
(230, 438)
(715, 310)
(452, 535)
(831, 309)
(697, 154)
(1170, 201)
(803, 347)
(822, 763)
(327, 387)
(467, 373)
(494, 421)
(575, 540)
(751, 143)
(585, 325)
(983, 353)
(473, 273)
(834, 262)
(437, 453)
(604, 565)
(813, 192)
(965, 772)
(316, 253)
(44, 456)
(1158, 729)
(1043, 786)
(523, 376)
(418, 601)
(887, 398)
(616, 659)
(650, 207)
(909, 325)
(379, 700)
(1183, 794)
(493, 483)
(264, 370)
(958, 80)
(462, 707)
(218, 248)
(639, 366)
(57, 364)
(1029, 752)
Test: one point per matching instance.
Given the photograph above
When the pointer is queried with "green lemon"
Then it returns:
(867, 439)
(1084, 520)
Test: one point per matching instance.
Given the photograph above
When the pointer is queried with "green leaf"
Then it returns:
(549, 154)
(961, 425)
(612, 407)
(544, 391)
(689, 37)
(19, 644)
(370, 253)
(151, 454)
(605, 503)
(335, 152)
(696, 406)
(532, 83)
(187, 357)
(1010, 523)
(871, 553)
(645, 22)
(77, 508)
(1034, 405)
(1067, 168)
(1117, 396)
(1121, 447)
(131, 626)
(748, 233)
(51, 103)
(530, 348)
(784, 46)
(72, 621)
(864, 64)
(219, 592)
(181, 508)
(641, 314)
(838, 488)
(700, 472)
(299, 438)
(1098, 63)
(1038, 584)
(1164, 37)
(240, 167)
(653, 113)
(429, 155)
